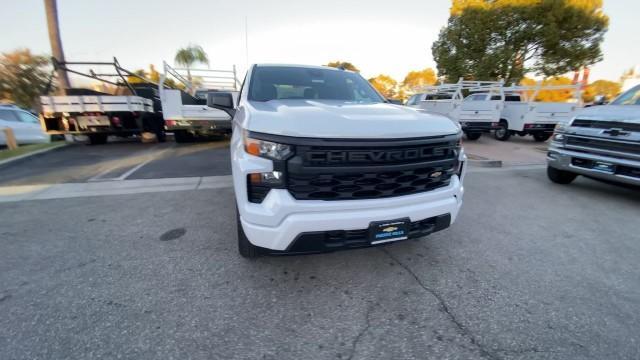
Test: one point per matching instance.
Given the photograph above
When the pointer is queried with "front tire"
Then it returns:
(560, 176)
(541, 137)
(502, 133)
(97, 139)
(473, 135)
(182, 136)
(245, 247)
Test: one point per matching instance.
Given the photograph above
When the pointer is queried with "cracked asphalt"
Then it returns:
(531, 270)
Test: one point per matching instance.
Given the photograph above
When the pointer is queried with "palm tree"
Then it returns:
(191, 55)
(51, 9)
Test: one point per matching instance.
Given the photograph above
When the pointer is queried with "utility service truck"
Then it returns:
(477, 113)
(132, 108)
(187, 112)
(522, 115)
(321, 162)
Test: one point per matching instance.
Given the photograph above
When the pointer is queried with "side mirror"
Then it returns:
(600, 100)
(222, 101)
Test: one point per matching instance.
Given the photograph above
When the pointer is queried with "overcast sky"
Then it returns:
(389, 37)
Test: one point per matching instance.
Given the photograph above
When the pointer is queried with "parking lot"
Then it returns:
(92, 267)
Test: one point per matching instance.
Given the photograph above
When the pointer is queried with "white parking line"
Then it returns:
(149, 158)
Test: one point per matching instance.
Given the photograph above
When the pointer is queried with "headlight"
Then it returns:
(266, 149)
(560, 127)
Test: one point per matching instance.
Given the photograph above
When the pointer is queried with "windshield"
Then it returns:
(631, 97)
(280, 82)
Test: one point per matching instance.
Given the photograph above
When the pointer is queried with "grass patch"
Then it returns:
(25, 149)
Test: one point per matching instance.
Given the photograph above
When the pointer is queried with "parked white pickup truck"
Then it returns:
(187, 113)
(322, 162)
(476, 113)
(522, 115)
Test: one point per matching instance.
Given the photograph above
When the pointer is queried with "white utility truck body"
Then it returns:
(476, 113)
(186, 112)
(523, 115)
(135, 108)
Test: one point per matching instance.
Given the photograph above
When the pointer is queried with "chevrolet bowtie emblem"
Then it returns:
(615, 132)
(390, 229)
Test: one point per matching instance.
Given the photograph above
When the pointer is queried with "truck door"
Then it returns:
(480, 108)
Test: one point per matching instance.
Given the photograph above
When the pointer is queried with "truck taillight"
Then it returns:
(170, 122)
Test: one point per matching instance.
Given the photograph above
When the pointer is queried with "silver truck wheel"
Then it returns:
(502, 133)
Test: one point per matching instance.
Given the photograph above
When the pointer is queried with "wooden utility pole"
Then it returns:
(51, 9)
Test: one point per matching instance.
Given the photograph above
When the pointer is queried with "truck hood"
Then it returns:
(623, 113)
(347, 120)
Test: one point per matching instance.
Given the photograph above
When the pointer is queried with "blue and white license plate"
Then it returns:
(604, 166)
(387, 231)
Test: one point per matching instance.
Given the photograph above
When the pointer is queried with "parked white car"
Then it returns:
(26, 126)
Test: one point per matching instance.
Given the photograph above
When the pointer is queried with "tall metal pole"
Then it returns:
(51, 9)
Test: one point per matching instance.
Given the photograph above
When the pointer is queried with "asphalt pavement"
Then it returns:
(128, 250)
(531, 270)
(124, 160)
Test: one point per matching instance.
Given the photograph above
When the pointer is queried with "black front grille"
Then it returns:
(374, 171)
(319, 241)
(599, 124)
(602, 144)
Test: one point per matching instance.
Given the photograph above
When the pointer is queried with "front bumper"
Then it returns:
(280, 219)
(474, 126)
(627, 170)
(201, 126)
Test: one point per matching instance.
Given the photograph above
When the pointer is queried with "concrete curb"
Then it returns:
(24, 156)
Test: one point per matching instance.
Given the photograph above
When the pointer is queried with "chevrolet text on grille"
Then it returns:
(375, 155)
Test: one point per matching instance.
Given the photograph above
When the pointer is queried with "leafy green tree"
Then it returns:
(385, 85)
(506, 39)
(344, 64)
(191, 55)
(23, 77)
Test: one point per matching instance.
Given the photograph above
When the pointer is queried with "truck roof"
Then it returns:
(303, 66)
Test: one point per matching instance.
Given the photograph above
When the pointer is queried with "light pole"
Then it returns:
(51, 9)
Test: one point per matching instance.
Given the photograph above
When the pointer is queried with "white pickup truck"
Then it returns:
(523, 116)
(186, 112)
(321, 162)
(135, 108)
(477, 113)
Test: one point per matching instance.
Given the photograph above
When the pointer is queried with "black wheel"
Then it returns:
(502, 133)
(158, 129)
(540, 137)
(97, 139)
(560, 176)
(182, 136)
(245, 248)
(473, 135)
